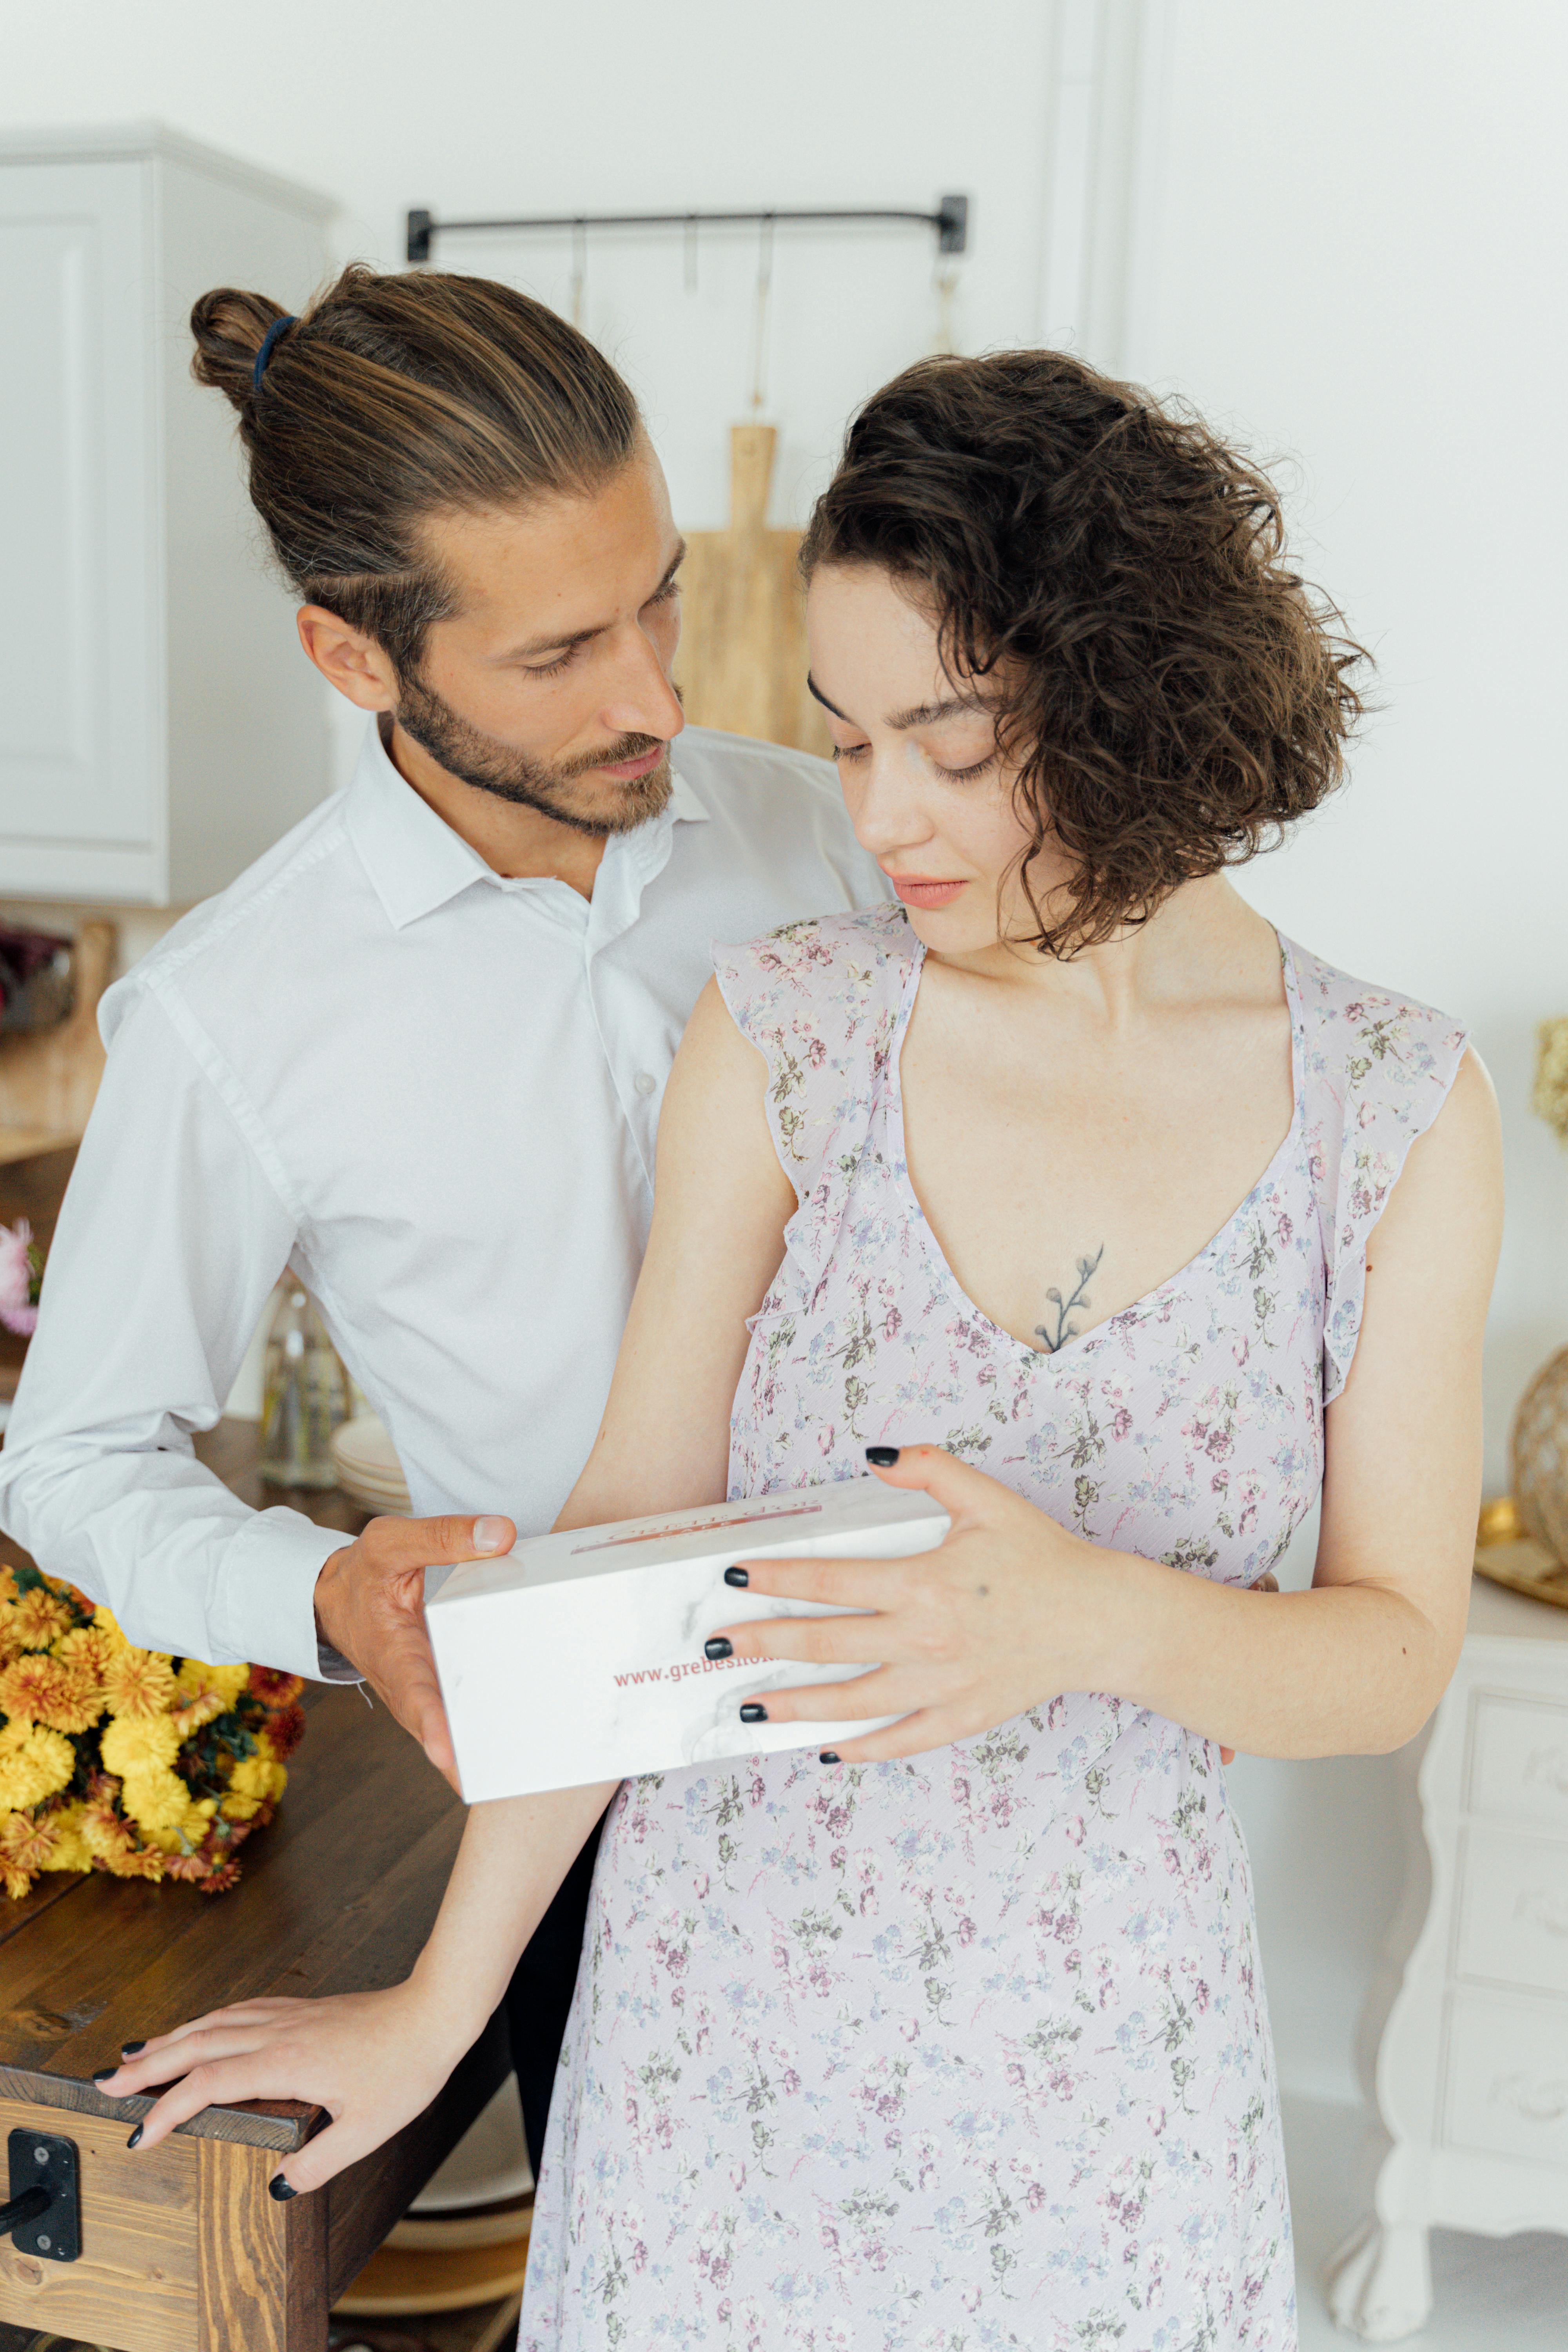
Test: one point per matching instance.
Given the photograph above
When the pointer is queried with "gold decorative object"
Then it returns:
(1548, 1097)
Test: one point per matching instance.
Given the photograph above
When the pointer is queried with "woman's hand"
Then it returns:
(1009, 1610)
(374, 2060)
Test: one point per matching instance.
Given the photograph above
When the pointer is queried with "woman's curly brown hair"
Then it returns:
(1171, 692)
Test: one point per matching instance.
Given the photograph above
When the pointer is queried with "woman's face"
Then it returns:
(928, 793)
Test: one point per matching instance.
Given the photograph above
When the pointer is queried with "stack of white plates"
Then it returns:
(368, 1472)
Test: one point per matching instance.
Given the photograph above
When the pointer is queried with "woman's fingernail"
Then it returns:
(129, 2049)
(490, 1535)
(754, 1712)
(105, 2074)
(827, 1757)
(717, 1647)
(277, 2187)
(880, 1457)
(135, 2138)
(738, 1578)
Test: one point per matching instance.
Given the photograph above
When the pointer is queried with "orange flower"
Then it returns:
(140, 1684)
(273, 1688)
(91, 1646)
(32, 1687)
(41, 1617)
(218, 1882)
(285, 1731)
(78, 1702)
(139, 1861)
(25, 1843)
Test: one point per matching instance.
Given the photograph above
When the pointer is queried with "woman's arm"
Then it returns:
(1012, 1609)
(376, 2060)
(721, 1206)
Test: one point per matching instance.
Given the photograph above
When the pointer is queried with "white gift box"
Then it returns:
(578, 1657)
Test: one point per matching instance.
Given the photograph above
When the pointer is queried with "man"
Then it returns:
(415, 1054)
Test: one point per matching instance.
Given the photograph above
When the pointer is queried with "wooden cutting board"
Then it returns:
(742, 661)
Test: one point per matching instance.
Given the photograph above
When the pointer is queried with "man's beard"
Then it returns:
(491, 767)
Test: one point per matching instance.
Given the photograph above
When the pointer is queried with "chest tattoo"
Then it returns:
(1051, 1339)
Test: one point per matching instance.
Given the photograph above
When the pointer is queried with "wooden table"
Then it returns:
(182, 2249)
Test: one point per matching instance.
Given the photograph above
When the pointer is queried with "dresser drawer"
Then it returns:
(1518, 1759)
(1513, 1909)
(1507, 2078)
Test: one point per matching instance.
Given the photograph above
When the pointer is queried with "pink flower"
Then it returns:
(16, 1309)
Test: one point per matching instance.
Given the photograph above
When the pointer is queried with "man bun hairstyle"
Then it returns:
(393, 398)
(1115, 577)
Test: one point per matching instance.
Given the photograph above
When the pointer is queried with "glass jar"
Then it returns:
(304, 1395)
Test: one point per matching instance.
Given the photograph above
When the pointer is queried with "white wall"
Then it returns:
(1356, 262)
(1332, 225)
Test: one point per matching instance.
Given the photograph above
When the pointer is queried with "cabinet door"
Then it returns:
(80, 585)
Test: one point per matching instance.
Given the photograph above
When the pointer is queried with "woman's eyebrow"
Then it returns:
(920, 714)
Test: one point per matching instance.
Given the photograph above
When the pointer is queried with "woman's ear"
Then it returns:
(348, 659)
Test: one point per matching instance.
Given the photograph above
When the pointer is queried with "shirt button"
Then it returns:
(646, 1082)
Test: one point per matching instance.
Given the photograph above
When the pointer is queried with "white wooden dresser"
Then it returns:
(1472, 2065)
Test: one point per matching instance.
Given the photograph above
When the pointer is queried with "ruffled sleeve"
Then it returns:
(1377, 1070)
(821, 1001)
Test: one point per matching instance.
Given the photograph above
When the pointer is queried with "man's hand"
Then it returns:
(370, 1605)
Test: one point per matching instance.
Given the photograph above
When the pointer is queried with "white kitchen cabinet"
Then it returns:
(159, 725)
(1472, 2062)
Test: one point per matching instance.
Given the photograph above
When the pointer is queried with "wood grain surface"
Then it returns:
(742, 661)
(263, 2268)
(135, 2284)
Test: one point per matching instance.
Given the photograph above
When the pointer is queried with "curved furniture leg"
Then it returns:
(1378, 2284)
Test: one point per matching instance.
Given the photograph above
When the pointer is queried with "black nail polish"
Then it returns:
(277, 2187)
(881, 1457)
(827, 1757)
(129, 2049)
(135, 2138)
(104, 2073)
(717, 1647)
(738, 1578)
(754, 1712)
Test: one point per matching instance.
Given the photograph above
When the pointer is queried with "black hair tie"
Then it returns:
(265, 353)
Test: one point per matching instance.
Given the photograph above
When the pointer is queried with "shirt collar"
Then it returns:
(415, 860)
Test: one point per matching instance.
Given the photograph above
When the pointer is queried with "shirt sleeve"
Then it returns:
(169, 1241)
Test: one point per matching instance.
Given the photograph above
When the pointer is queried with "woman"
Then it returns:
(1066, 1167)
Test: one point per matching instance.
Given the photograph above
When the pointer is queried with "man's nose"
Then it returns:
(642, 701)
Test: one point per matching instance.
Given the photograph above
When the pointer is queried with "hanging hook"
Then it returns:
(759, 326)
(579, 270)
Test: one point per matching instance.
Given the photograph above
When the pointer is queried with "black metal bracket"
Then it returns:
(951, 222)
(44, 2215)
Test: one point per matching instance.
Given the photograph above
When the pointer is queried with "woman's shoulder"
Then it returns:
(1368, 1043)
(816, 962)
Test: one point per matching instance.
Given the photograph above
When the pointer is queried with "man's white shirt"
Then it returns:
(430, 1091)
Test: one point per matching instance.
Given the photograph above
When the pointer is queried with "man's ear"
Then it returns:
(348, 659)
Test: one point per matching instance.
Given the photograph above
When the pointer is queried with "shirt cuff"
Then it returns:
(265, 1609)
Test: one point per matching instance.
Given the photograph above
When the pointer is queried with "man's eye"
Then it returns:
(549, 668)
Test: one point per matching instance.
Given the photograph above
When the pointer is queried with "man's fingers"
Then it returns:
(431, 1543)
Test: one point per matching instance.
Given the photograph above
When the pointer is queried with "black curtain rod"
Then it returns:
(951, 222)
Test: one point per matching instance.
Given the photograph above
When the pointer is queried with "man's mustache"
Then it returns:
(625, 747)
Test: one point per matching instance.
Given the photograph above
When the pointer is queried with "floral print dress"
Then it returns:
(970, 2051)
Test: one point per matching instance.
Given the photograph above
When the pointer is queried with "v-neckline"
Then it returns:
(1139, 1310)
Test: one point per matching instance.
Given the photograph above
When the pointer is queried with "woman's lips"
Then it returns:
(918, 890)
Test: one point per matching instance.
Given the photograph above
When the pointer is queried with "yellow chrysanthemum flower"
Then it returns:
(197, 1680)
(32, 1687)
(40, 1618)
(129, 1745)
(37, 1767)
(27, 1845)
(259, 1777)
(140, 1684)
(86, 1647)
(156, 1799)
(71, 1851)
